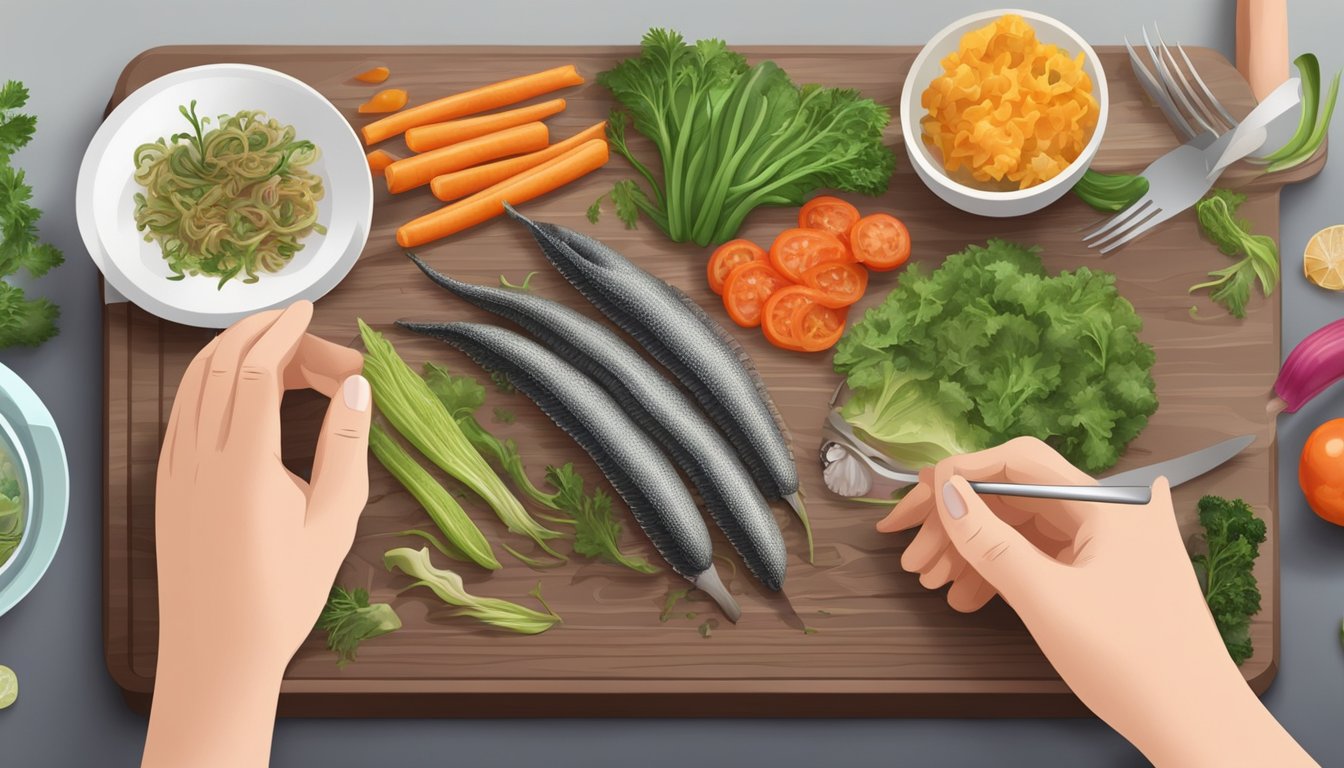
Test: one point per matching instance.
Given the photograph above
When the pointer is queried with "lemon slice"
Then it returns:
(9, 687)
(1323, 262)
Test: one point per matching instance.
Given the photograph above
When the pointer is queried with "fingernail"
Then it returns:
(956, 508)
(357, 393)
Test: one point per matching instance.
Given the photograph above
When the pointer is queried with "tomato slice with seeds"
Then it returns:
(880, 242)
(777, 322)
(839, 283)
(746, 289)
(829, 214)
(818, 327)
(797, 250)
(729, 255)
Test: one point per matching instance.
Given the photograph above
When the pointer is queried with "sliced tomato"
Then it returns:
(839, 283)
(777, 323)
(829, 214)
(818, 327)
(729, 255)
(880, 241)
(746, 290)
(797, 250)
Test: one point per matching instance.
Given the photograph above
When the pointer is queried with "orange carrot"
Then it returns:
(379, 160)
(374, 76)
(417, 171)
(489, 203)
(389, 100)
(451, 186)
(426, 137)
(473, 102)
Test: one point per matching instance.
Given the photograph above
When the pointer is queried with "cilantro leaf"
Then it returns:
(23, 321)
(1233, 535)
(596, 532)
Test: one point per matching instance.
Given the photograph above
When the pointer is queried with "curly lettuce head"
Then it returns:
(989, 347)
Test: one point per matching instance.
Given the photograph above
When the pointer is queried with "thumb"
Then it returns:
(996, 550)
(340, 484)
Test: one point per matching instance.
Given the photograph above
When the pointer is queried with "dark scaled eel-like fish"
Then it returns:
(690, 344)
(637, 469)
(657, 405)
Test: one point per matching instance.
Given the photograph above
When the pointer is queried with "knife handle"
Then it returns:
(1102, 494)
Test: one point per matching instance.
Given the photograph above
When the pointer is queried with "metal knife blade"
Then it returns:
(1185, 468)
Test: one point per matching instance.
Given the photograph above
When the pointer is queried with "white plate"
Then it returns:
(136, 269)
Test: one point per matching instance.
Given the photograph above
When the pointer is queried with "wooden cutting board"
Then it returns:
(882, 644)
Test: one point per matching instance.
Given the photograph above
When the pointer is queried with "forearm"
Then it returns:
(1215, 720)
(206, 715)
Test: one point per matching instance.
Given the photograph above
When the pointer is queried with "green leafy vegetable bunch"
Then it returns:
(23, 321)
(989, 347)
(732, 137)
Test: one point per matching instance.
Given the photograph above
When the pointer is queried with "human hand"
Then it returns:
(1106, 590)
(247, 551)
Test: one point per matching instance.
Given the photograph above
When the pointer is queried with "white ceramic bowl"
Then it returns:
(105, 208)
(927, 163)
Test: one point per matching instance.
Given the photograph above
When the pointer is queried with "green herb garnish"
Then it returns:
(23, 322)
(1231, 286)
(1233, 535)
(349, 620)
(596, 532)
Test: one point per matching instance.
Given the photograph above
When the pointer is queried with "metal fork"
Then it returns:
(1176, 181)
(1199, 110)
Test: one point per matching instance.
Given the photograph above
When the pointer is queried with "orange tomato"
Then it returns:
(777, 322)
(746, 290)
(880, 242)
(797, 250)
(1321, 471)
(389, 100)
(727, 256)
(839, 283)
(818, 326)
(829, 214)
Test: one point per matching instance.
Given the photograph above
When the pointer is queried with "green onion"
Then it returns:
(1312, 125)
(449, 588)
(443, 509)
(406, 401)
(1110, 193)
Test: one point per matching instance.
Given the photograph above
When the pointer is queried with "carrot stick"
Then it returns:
(472, 102)
(417, 170)
(451, 186)
(426, 137)
(379, 160)
(489, 203)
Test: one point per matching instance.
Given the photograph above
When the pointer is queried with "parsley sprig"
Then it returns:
(23, 321)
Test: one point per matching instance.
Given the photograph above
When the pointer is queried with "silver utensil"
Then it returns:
(849, 463)
(1185, 468)
(1178, 179)
(1169, 82)
(1106, 494)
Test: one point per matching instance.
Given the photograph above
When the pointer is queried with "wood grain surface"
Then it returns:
(882, 644)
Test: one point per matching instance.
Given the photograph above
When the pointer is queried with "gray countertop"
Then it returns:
(70, 713)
